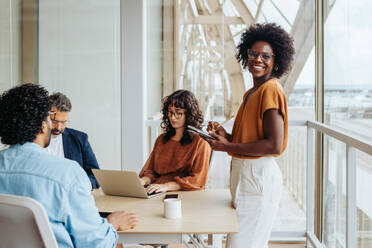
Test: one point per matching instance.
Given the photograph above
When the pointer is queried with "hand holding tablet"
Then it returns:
(202, 133)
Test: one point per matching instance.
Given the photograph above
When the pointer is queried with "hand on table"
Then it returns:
(122, 220)
(157, 188)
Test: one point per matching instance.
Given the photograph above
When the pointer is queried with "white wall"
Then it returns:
(154, 31)
(10, 51)
(98, 58)
(79, 55)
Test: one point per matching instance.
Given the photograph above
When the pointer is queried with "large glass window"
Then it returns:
(347, 78)
(204, 40)
(348, 94)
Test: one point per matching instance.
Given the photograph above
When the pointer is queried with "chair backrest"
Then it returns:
(24, 223)
(208, 185)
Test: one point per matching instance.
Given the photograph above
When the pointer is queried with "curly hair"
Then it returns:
(186, 100)
(277, 37)
(22, 111)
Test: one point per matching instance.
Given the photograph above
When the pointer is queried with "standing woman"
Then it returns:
(260, 133)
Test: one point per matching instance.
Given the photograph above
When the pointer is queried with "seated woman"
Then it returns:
(180, 159)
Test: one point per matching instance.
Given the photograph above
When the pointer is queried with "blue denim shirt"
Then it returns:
(63, 188)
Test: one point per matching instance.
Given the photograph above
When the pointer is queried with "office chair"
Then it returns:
(24, 223)
(208, 185)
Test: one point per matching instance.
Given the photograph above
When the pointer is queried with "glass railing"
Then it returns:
(347, 162)
(348, 173)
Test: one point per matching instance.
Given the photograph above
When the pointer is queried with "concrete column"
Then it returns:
(133, 43)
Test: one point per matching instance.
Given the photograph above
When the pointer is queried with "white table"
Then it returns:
(203, 212)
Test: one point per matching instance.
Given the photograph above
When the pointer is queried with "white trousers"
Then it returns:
(255, 186)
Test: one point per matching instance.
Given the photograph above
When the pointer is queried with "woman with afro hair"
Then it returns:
(180, 159)
(259, 133)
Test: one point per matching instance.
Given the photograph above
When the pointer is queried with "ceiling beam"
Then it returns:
(259, 8)
(303, 34)
(214, 20)
(243, 11)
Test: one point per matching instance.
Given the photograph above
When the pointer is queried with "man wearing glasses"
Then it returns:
(67, 142)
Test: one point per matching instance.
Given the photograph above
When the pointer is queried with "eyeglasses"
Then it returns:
(59, 122)
(252, 54)
(177, 115)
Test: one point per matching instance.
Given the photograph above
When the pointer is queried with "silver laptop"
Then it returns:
(121, 183)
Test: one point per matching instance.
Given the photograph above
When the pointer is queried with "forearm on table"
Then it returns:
(173, 186)
(257, 148)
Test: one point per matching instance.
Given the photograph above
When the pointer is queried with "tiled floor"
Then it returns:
(271, 245)
(282, 245)
(290, 218)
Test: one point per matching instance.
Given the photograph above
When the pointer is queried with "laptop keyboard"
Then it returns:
(153, 193)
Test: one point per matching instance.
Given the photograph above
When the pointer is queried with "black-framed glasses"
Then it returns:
(177, 115)
(54, 121)
(265, 56)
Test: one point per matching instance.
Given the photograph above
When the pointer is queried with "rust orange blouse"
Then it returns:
(248, 125)
(185, 164)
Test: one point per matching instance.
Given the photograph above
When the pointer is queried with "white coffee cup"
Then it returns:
(172, 208)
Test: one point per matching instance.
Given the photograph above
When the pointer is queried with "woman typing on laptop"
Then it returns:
(180, 159)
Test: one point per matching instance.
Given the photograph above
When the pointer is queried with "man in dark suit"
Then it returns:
(68, 142)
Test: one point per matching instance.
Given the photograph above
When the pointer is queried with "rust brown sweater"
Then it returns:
(185, 164)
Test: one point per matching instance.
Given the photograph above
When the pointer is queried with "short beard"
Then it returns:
(57, 132)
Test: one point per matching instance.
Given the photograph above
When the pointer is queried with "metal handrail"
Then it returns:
(341, 135)
(353, 143)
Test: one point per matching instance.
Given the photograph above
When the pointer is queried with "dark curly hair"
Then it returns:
(186, 100)
(277, 37)
(22, 111)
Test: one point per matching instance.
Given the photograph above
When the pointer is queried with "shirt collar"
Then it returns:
(30, 145)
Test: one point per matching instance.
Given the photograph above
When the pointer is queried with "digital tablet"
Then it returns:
(200, 132)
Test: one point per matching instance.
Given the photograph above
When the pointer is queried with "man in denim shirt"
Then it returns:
(60, 185)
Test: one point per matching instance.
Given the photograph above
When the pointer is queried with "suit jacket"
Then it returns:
(76, 147)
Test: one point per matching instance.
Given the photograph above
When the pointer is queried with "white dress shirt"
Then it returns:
(56, 146)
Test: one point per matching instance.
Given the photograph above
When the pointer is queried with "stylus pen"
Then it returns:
(224, 122)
